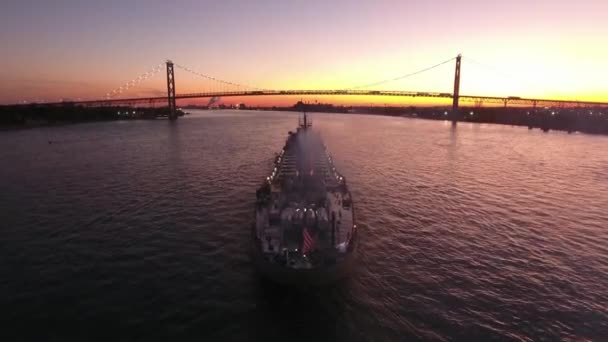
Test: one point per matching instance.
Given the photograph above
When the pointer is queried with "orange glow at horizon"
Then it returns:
(551, 50)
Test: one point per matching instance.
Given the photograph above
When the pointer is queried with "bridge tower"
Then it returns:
(171, 91)
(456, 94)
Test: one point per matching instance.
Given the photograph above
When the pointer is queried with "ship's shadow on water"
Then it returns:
(303, 314)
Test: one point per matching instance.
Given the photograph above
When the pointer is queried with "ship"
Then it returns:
(304, 231)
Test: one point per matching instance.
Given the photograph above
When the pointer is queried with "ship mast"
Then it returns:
(304, 124)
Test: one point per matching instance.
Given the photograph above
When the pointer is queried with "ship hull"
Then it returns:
(318, 276)
(304, 231)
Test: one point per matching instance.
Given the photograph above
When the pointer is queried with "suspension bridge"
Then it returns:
(232, 89)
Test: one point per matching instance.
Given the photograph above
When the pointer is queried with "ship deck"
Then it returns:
(305, 199)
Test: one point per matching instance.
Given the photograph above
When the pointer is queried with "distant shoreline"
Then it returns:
(40, 115)
(585, 120)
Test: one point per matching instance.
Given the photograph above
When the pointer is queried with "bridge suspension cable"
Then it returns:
(238, 85)
(403, 76)
(135, 81)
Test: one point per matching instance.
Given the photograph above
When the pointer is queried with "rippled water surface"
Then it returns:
(139, 230)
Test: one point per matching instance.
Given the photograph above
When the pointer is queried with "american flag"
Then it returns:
(309, 241)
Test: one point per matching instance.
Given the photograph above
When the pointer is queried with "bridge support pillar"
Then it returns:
(456, 94)
(171, 91)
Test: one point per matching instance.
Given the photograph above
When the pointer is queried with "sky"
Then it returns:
(83, 49)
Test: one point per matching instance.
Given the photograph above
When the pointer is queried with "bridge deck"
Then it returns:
(345, 92)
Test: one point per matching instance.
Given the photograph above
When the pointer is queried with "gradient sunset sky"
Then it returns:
(83, 49)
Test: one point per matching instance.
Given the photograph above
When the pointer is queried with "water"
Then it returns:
(139, 230)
